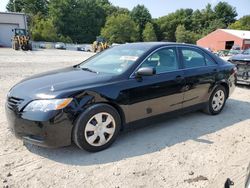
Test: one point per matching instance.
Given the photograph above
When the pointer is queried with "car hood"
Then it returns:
(53, 83)
(240, 57)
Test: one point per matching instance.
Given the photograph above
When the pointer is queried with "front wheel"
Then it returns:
(217, 101)
(97, 128)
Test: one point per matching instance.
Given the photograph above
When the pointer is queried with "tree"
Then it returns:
(108, 8)
(120, 29)
(207, 15)
(197, 21)
(44, 30)
(184, 36)
(81, 20)
(214, 25)
(31, 7)
(169, 23)
(149, 33)
(119, 10)
(157, 30)
(225, 12)
(242, 24)
(15, 5)
(141, 15)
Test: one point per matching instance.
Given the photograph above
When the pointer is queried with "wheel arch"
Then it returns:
(96, 99)
(118, 109)
(225, 85)
(221, 83)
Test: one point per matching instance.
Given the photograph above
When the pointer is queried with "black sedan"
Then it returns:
(91, 102)
(242, 62)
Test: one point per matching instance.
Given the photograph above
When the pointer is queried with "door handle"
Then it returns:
(179, 78)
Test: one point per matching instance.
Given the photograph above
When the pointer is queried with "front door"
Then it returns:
(160, 93)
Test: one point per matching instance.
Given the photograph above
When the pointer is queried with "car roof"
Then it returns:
(155, 45)
(159, 44)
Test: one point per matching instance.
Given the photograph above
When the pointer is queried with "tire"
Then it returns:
(90, 128)
(99, 49)
(16, 45)
(24, 47)
(216, 100)
(30, 46)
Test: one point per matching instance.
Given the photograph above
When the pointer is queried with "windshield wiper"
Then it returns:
(87, 69)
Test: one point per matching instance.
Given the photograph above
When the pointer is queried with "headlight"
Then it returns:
(47, 105)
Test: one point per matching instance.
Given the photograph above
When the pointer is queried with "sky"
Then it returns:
(160, 8)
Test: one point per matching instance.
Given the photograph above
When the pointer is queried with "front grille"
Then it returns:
(13, 103)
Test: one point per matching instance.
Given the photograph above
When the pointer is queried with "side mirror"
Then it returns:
(145, 71)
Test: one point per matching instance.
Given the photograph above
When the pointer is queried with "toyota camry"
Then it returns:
(91, 102)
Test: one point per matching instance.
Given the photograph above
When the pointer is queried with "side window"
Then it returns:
(164, 60)
(209, 61)
(192, 58)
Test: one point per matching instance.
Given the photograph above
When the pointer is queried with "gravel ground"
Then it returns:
(192, 150)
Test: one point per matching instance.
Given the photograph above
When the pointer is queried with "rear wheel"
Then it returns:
(217, 101)
(97, 128)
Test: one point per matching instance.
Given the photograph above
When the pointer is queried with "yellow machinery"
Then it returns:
(21, 40)
(100, 44)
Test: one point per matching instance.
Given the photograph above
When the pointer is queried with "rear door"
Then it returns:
(200, 72)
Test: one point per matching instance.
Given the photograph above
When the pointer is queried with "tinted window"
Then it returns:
(192, 58)
(163, 60)
(209, 61)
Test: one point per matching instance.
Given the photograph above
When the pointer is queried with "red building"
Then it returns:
(225, 39)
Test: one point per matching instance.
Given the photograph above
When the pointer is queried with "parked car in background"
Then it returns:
(81, 48)
(242, 62)
(91, 102)
(88, 48)
(42, 45)
(60, 45)
(234, 50)
(222, 53)
(84, 48)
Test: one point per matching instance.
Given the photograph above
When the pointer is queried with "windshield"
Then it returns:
(115, 60)
(247, 52)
